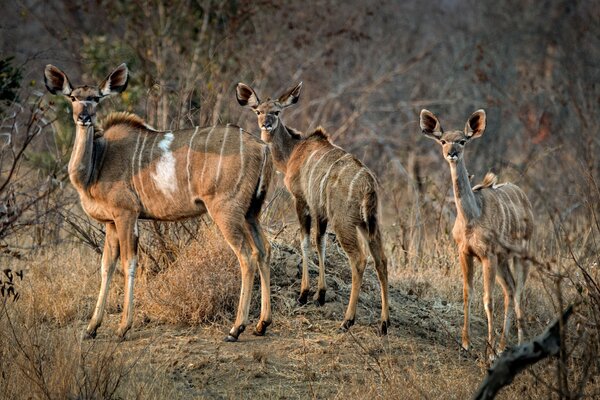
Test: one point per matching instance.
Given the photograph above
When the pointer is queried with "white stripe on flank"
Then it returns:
(137, 145)
(189, 172)
(165, 177)
(241, 176)
(312, 172)
(140, 157)
(205, 154)
(221, 154)
(307, 162)
(353, 181)
(326, 177)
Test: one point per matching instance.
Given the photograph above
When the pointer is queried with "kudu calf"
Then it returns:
(491, 220)
(329, 186)
(130, 171)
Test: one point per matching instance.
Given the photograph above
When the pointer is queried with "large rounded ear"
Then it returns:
(291, 96)
(475, 124)
(430, 125)
(116, 82)
(56, 81)
(246, 96)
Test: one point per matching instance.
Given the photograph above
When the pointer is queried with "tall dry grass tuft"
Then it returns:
(202, 285)
(40, 361)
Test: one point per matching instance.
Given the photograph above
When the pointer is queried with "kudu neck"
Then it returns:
(282, 145)
(80, 164)
(466, 203)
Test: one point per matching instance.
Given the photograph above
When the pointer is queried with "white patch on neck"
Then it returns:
(164, 177)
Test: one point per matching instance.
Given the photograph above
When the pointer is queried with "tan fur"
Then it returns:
(492, 220)
(134, 172)
(330, 188)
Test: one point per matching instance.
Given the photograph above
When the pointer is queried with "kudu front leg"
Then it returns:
(466, 263)
(110, 254)
(128, 243)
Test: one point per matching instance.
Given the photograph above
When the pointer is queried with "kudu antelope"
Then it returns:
(491, 220)
(329, 186)
(130, 171)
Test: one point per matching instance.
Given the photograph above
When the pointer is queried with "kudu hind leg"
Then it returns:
(304, 219)
(110, 255)
(321, 247)
(489, 277)
(358, 261)
(239, 239)
(380, 260)
(521, 268)
(506, 280)
(264, 268)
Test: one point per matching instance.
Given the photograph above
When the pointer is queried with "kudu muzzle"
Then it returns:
(85, 112)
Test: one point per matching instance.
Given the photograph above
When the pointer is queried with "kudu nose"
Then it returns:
(84, 119)
(267, 126)
(452, 155)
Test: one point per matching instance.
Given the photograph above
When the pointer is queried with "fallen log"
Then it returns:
(516, 359)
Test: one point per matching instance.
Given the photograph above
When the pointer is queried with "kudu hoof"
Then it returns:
(261, 328)
(89, 335)
(346, 325)
(234, 333)
(320, 297)
(121, 332)
(303, 299)
(383, 328)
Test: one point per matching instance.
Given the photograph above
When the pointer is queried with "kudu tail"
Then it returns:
(369, 213)
(262, 185)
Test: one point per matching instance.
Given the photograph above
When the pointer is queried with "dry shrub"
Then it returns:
(201, 285)
(39, 361)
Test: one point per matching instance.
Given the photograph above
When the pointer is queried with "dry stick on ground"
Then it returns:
(515, 360)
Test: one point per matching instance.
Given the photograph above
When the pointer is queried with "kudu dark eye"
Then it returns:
(276, 113)
(73, 98)
(443, 142)
(257, 112)
(462, 142)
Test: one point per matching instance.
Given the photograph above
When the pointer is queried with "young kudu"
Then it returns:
(130, 171)
(491, 220)
(329, 186)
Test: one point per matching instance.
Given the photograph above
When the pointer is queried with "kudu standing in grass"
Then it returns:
(329, 186)
(491, 220)
(130, 171)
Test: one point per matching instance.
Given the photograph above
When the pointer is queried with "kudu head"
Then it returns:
(85, 99)
(268, 111)
(452, 142)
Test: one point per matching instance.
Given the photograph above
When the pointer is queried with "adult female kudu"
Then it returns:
(329, 186)
(131, 171)
(490, 221)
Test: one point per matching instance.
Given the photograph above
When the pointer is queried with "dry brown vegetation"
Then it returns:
(368, 68)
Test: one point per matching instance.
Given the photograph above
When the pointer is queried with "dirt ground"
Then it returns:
(303, 355)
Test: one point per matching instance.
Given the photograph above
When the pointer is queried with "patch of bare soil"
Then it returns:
(303, 355)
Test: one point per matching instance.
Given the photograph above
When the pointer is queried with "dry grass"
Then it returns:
(201, 286)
